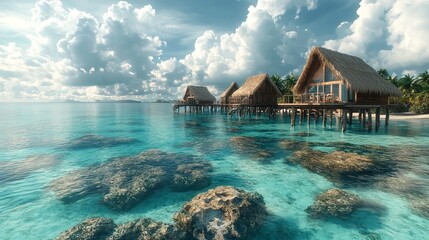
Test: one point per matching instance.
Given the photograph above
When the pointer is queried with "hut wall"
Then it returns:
(371, 99)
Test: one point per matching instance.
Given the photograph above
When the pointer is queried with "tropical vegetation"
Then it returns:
(285, 84)
(415, 90)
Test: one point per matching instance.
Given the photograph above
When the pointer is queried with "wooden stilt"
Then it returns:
(324, 117)
(331, 116)
(315, 115)
(377, 118)
(301, 116)
(364, 117)
(387, 116)
(369, 120)
(308, 117)
(292, 123)
(344, 120)
(350, 116)
(360, 116)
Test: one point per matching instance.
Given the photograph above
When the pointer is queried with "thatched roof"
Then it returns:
(352, 71)
(200, 93)
(252, 84)
(232, 88)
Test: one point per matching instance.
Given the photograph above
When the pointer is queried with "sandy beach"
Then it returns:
(406, 116)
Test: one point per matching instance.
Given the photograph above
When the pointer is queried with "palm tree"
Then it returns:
(393, 80)
(290, 81)
(406, 84)
(423, 81)
(278, 81)
(384, 73)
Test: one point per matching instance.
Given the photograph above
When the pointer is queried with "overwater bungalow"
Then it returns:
(197, 99)
(332, 80)
(334, 77)
(257, 91)
(198, 95)
(225, 96)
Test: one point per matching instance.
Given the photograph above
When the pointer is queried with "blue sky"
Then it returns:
(52, 50)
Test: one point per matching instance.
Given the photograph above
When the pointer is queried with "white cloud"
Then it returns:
(389, 34)
(259, 44)
(408, 35)
(120, 51)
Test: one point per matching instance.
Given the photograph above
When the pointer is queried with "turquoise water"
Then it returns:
(34, 151)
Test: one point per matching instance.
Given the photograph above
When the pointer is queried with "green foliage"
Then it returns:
(285, 84)
(420, 103)
(415, 90)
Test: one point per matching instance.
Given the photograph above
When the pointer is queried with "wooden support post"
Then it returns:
(301, 116)
(387, 116)
(360, 116)
(344, 120)
(316, 117)
(324, 117)
(330, 116)
(364, 117)
(377, 119)
(292, 122)
(308, 117)
(350, 116)
(369, 120)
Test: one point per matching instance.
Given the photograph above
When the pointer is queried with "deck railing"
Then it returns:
(309, 98)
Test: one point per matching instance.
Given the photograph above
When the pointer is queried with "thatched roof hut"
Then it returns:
(258, 90)
(327, 71)
(198, 95)
(224, 97)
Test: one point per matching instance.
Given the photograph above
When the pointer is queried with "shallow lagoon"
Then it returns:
(39, 146)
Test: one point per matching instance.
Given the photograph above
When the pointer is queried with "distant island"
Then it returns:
(164, 101)
(117, 101)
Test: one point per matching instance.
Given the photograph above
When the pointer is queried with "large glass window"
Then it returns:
(335, 90)
(312, 89)
(329, 77)
(327, 89)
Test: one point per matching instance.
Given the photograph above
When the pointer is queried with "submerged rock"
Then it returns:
(145, 229)
(125, 182)
(16, 170)
(252, 146)
(90, 229)
(106, 229)
(338, 166)
(191, 176)
(293, 145)
(333, 203)
(222, 213)
(95, 141)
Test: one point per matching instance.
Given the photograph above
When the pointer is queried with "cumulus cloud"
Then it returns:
(74, 54)
(407, 23)
(389, 34)
(260, 44)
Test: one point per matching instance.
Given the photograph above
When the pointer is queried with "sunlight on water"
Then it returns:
(44, 142)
